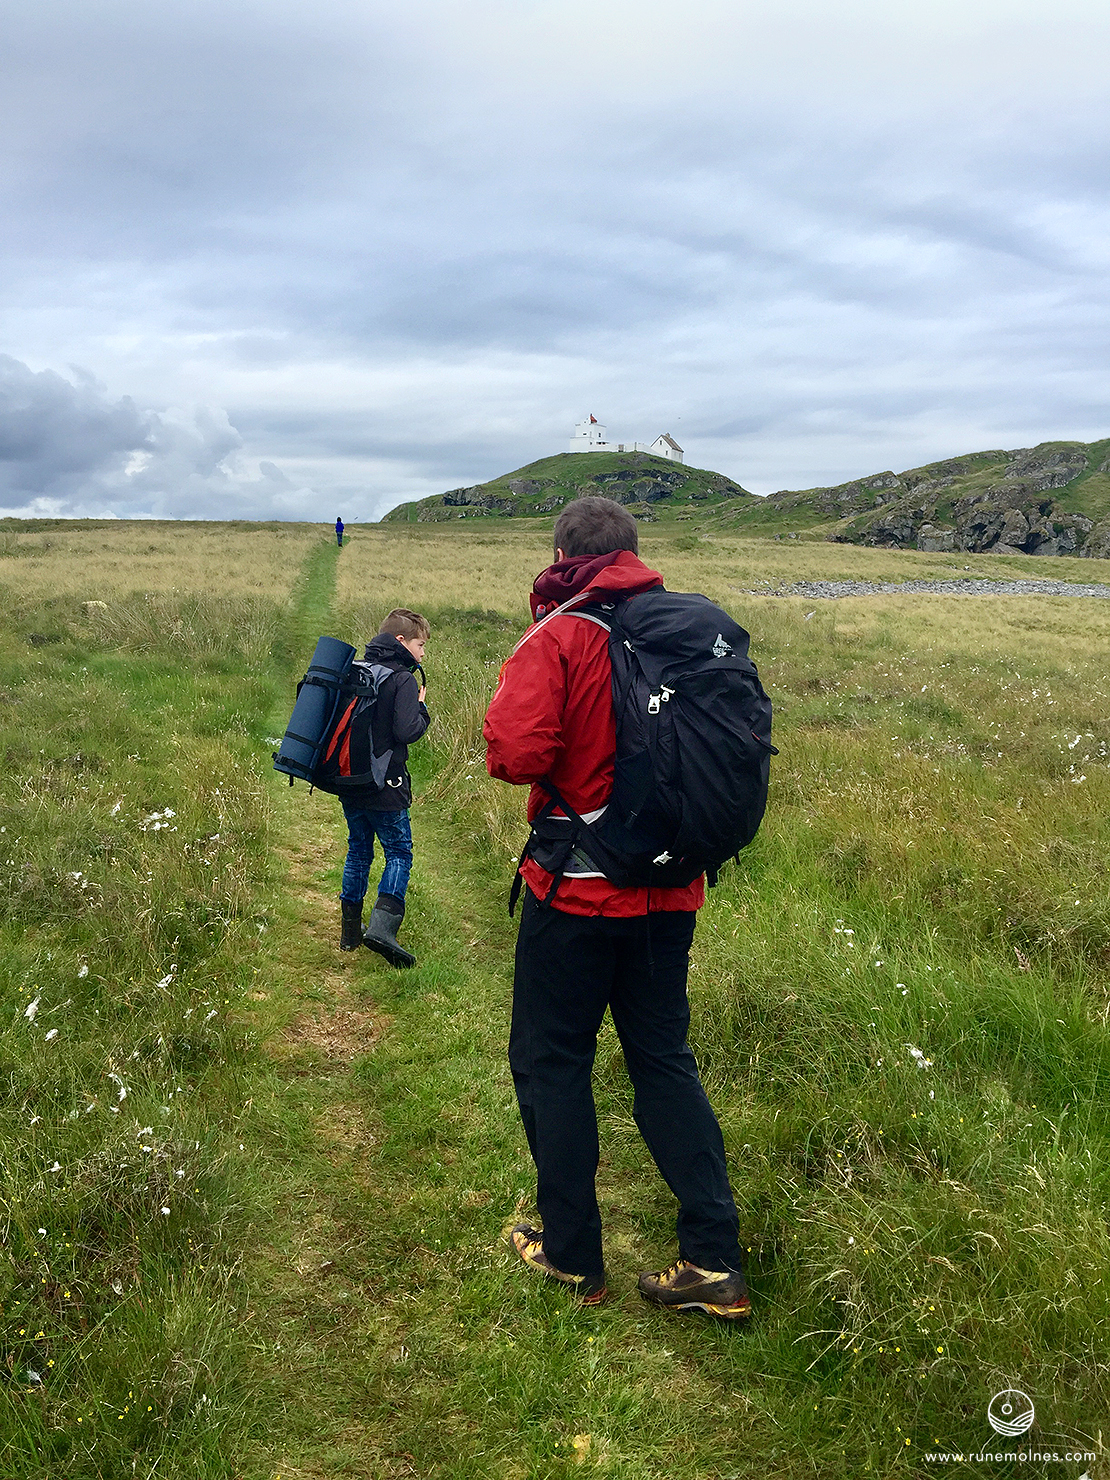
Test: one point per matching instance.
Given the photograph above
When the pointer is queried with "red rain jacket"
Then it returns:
(552, 715)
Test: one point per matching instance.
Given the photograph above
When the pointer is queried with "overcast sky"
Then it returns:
(272, 259)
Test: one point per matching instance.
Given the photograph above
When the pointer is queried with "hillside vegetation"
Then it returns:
(1053, 499)
(650, 486)
(254, 1191)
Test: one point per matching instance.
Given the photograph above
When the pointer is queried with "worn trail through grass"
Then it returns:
(396, 1334)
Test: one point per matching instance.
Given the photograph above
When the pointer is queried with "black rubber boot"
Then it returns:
(381, 933)
(351, 937)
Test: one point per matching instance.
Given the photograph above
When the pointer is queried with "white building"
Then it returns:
(589, 436)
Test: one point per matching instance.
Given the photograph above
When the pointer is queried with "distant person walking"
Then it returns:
(339, 533)
(586, 944)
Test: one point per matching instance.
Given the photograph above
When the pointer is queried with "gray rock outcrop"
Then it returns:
(998, 502)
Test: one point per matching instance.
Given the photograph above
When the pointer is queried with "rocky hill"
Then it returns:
(650, 486)
(1053, 499)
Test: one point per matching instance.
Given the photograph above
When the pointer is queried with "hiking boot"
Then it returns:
(381, 933)
(528, 1242)
(687, 1286)
(351, 936)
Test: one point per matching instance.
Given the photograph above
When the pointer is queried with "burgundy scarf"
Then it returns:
(566, 578)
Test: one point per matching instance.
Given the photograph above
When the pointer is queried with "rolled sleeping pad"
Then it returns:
(315, 710)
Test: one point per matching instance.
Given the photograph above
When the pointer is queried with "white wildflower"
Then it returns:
(210, 1015)
(166, 1212)
(147, 1130)
(57, 1167)
(52, 1034)
(918, 1057)
(115, 809)
(31, 1009)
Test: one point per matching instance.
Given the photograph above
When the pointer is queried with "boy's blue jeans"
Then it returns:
(394, 833)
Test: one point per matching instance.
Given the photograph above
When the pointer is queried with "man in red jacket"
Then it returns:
(595, 946)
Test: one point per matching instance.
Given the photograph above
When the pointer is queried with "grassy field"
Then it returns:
(900, 1003)
(91, 559)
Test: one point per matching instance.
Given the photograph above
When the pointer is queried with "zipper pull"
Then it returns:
(653, 703)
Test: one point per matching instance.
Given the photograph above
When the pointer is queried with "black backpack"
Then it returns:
(329, 741)
(693, 750)
(348, 762)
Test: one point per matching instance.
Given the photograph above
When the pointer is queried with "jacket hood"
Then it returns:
(386, 649)
(617, 572)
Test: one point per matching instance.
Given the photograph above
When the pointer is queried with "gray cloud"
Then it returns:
(397, 251)
(67, 448)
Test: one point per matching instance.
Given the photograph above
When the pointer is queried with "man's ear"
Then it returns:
(560, 554)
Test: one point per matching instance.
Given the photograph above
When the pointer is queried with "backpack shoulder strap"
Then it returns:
(601, 616)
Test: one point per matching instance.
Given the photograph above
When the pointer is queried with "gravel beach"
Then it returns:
(833, 590)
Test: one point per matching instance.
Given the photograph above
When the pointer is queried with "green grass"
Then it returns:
(136, 845)
(931, 876)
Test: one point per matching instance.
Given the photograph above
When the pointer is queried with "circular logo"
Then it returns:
(1010, 1412)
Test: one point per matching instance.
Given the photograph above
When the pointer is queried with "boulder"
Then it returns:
(1015, 529)
(932, 538)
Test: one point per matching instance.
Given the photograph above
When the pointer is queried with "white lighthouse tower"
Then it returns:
(589, 436)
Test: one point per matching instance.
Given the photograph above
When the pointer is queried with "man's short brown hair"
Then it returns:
(403, 623)
(595, 526)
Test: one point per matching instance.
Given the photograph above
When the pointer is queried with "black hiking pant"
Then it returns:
(569, 968)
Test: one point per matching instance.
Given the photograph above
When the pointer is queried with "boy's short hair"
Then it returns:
(403, 623)
(595, 526)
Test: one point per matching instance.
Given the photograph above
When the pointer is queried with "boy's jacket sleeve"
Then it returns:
(524, 723)
(410, 717)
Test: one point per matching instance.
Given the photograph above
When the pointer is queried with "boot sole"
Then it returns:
(721, 1312)
(393, 954)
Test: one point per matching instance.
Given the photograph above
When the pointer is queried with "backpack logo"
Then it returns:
(721, 647)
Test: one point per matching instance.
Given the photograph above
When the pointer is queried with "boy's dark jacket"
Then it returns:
(398, 720)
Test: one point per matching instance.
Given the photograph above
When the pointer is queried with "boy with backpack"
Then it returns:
(593, 934)
(398, 717)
